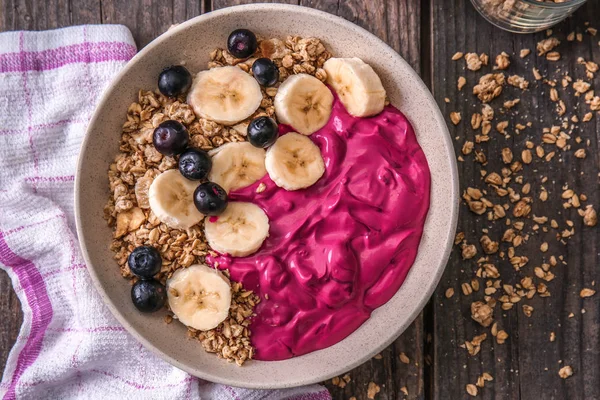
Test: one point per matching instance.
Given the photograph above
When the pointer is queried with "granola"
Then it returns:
(138, 162)
(489, 87)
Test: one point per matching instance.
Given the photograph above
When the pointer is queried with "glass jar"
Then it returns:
(525, 16)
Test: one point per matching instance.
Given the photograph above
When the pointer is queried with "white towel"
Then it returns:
(69, 346)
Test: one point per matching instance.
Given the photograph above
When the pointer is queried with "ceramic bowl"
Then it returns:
(191, 43)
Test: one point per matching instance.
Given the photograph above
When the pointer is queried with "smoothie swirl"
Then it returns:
(342, 247)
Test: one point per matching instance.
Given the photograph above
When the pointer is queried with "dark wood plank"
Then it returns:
(41, 15)
(527, 365)
(85, 12)
(146, 18)
(11, 317)
(216, 4)
(397, 22)
(34, 15)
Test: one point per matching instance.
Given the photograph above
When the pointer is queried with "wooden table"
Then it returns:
(427, 34)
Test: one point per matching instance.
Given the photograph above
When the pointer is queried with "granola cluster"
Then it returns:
(295, 55)
(136, 165)
(525, 15)
(231, 339)
(513, 8)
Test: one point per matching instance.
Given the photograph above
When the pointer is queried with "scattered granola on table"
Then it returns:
(565, 372)
(471, 389)
(372, 390)
(510, 201)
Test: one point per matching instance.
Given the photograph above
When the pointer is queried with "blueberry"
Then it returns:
(262, 132)
(144, 261)
(210, 198)
(148, 295)
(194, 164)
(174, 80)
(171, 138)
(242, 43)
(265, 72)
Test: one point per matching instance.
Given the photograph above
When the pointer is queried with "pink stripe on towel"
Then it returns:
(37, 298)
(55, 58)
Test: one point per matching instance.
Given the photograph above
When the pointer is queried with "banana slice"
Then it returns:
(294, 162)
(304, 102)
(171, 199)
(199, 296)
(237, 165)
(358, 86)
(239, 231)
(226, 95)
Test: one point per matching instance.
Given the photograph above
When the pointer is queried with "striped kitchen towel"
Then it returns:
(69, 346)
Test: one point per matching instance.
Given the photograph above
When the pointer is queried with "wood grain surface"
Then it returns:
(427, 33)
(526, 366)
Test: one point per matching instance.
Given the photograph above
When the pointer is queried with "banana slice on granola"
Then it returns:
(171, 199)
(237, 165)
(199, 296)
(226, 95)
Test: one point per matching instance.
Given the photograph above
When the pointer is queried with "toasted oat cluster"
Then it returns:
(138, 162)
(231, 340)
(295, 55)
(507, 5)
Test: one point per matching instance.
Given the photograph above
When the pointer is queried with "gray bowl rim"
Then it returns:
(426, 293)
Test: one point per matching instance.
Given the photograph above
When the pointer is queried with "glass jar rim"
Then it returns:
(552, 5)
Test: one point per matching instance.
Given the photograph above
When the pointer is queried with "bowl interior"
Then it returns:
(190, 44)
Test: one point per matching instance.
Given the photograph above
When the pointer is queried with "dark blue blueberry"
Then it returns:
(144, 261)
(242, 43)
(171, 138)
(148, 295)
(262, 132)
(195, 164)
(174, 80)
(210, 198)
(265, 72)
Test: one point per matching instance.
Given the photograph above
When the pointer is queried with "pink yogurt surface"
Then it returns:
(342, 247)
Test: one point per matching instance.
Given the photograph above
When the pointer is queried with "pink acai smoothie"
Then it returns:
(342, 247)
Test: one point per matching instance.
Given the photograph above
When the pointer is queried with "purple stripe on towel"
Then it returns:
(75, 53)
(37, 298)
(322, 395)
(66, 178)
